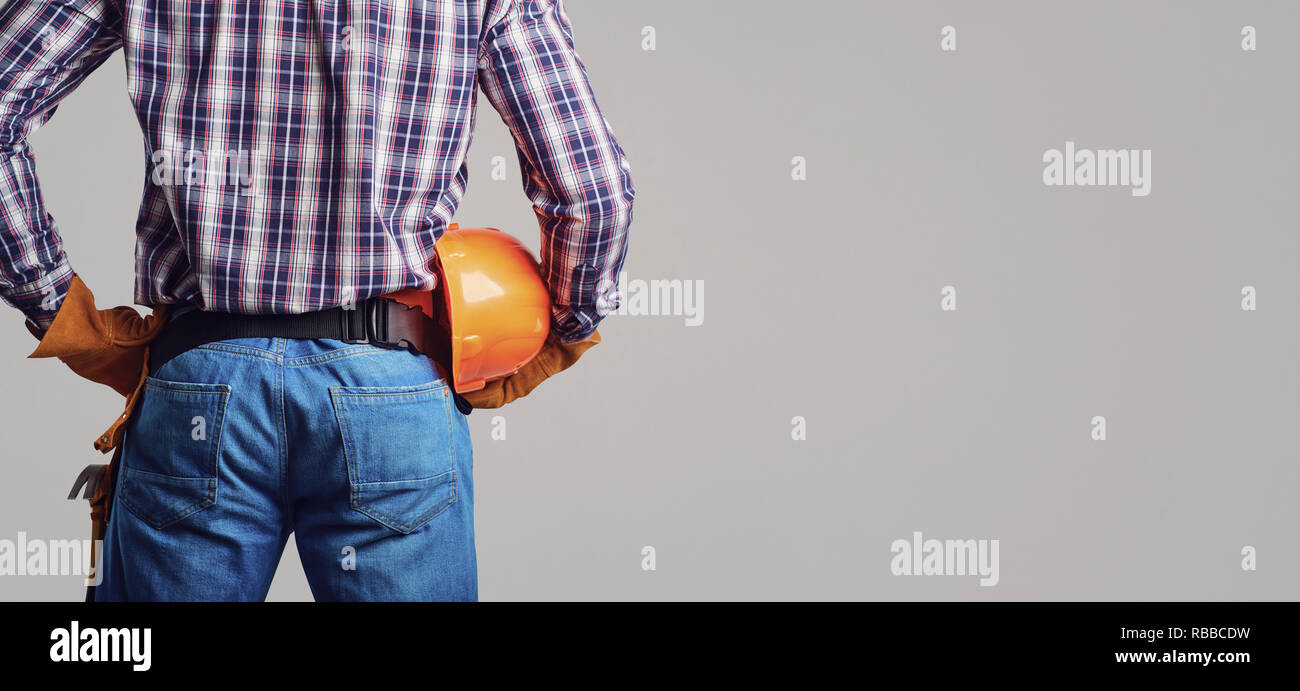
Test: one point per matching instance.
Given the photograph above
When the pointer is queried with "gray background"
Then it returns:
(822, 300)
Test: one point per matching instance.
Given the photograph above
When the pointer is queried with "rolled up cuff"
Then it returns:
(40, 300)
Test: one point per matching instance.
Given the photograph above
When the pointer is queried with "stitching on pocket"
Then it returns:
(396, 522)
(187, 494)
(382, 498)
(152, 481)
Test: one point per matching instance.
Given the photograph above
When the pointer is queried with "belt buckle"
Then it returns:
(366, 322)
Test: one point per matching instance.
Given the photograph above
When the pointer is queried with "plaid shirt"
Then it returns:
(301, 155)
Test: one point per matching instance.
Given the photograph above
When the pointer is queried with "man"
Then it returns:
(302, 157)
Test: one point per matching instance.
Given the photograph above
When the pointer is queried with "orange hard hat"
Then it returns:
(498, 310)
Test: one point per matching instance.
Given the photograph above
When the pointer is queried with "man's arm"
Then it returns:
(574, 171)
(46, 49)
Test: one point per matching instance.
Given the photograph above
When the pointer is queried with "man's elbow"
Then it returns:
(611, 212)
(9, 146)
(13, 140)
(601, 205)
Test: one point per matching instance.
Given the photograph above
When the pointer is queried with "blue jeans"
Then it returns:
(357, 450)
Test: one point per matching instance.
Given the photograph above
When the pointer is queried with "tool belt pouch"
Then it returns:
(99, 480)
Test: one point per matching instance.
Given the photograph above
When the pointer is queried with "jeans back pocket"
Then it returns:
(398, 445)
(170, 463)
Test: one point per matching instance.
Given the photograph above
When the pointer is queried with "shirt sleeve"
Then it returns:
(573, 168)
(47, 48)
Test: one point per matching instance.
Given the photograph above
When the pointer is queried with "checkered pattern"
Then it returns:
(303, 155)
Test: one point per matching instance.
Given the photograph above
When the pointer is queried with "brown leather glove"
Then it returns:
(104, 346)
(555, 357)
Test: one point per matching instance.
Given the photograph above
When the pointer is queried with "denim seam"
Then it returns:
(336, 354)
(222, 402)
(451, 441)
(187, 388)
(434, 387)
(282, 444)
(246, 351)
(345, 430)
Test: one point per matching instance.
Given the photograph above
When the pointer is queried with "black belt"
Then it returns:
(377, 321)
